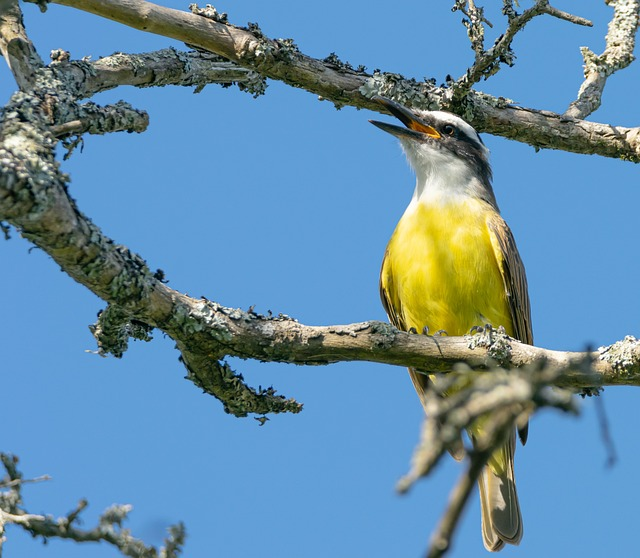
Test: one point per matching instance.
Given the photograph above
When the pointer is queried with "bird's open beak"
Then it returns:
(415, 127)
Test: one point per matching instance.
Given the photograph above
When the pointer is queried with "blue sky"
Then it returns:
(285, 203)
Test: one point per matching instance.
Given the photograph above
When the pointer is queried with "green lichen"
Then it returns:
(209, 12)
(408, 92)
(495, 341)
(622, 355)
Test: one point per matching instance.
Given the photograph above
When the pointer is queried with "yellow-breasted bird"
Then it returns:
(452, 264)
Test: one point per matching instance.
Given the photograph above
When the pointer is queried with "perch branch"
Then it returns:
(33, 198)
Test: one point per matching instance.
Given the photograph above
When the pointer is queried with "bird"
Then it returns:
(452, 265)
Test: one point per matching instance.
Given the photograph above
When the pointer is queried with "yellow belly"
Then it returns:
(441, 270)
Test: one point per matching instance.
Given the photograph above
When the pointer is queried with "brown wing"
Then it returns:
(515, 285)
(513, 276)
(386, 295)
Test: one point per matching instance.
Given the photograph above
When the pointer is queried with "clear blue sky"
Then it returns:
(287, 204)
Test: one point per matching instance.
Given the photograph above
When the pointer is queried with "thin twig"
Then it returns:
(605, 433)
(478, 458)
(474, 23)
(17, 482)
(443, 534)
(560, 14)
(488, 62)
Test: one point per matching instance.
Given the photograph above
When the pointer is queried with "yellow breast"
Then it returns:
(441, 270)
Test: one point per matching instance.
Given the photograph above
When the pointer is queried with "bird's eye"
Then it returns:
(449, 130)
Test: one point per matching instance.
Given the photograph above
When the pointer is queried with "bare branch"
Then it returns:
(488, 62)
(108, 530)
(502, 423)
(17, 49)
(474, 23)
(93, 119)
(605, 433)
(617, 55)
(163, 67)
(566, 16)
(281, 60)
(442, 536)
(14, 482)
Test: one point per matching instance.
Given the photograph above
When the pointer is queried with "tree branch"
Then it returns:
(108, 530)
(93, 119)
(617, 55)
(339, 83)
(487, 63)
(17, 49)
(154, 69)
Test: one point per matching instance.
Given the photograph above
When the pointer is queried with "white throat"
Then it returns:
(442, 177)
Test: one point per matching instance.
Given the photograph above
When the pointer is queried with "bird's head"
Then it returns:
(440, 146)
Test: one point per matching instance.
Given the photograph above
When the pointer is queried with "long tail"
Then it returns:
(501, 519)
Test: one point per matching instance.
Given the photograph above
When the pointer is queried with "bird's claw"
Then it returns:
(440, 332)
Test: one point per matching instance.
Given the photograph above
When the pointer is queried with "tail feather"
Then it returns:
(501, 519)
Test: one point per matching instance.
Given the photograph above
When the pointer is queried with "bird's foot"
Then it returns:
(439, 333)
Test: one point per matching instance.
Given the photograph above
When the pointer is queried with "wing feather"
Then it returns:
(515, 285)
(391, 307)
(513, 277)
